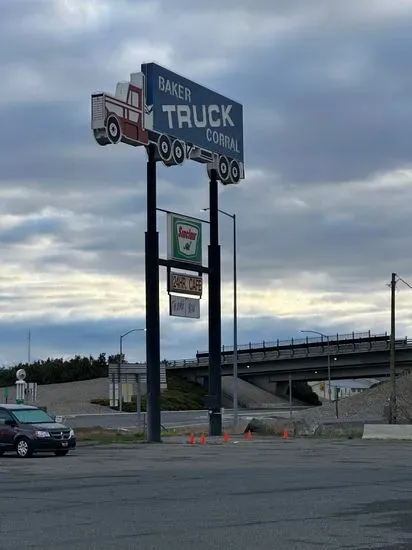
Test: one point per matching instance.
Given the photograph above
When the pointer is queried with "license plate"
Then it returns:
(64, 444)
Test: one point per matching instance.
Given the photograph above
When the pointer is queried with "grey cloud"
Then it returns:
(351, 237)
(327, 130)
(29, 230)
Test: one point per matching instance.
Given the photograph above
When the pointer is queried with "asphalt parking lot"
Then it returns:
(283, 495)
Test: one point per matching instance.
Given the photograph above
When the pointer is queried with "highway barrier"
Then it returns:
(387, 431)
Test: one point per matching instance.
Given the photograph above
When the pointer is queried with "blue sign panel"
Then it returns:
(192, 113)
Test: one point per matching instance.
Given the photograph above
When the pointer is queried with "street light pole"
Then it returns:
(327, 338)
(119, 368)
(329, 388)
(235, 375)
(235, 351)
(392, 366)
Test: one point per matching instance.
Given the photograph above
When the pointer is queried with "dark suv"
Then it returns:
(27, 430)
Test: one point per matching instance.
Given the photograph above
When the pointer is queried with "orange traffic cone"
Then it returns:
(285, 433)
(203, 439)
(226, 437)
(249, 436)
(192, 439)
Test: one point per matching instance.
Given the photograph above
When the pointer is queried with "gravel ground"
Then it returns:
(367, 406)
(71, 397)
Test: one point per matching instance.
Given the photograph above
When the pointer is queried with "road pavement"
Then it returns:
(170, 419)
(283, 495)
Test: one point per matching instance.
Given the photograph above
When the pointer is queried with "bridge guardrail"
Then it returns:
(335, 349)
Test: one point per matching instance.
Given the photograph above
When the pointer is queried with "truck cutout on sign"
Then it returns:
(125, 117)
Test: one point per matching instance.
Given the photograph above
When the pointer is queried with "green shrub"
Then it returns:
(181, 395)
(303, 392)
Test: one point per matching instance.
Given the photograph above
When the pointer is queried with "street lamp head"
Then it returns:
(315, 332)
(133, 330)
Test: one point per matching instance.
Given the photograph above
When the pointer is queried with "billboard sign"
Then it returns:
(182, 119)
(180, 108)
(180, 306)
(182, 283)
(184, 239)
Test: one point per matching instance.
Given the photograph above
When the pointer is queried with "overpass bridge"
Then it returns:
(355, 355)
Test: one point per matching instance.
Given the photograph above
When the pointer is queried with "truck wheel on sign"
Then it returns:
(165, 148)
(178, 152)
(223, 169)
(113, 129)
(101, 137)
(234, 172)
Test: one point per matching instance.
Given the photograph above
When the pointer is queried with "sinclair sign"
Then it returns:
(185, 120)
(184, 239)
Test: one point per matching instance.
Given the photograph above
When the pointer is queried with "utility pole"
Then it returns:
(392, 410)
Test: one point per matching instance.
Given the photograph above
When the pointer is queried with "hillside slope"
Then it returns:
(69, 397)
(368, 405)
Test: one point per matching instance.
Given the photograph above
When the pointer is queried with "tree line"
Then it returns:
(55, 371)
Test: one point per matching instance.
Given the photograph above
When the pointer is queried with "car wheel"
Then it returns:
(61, 453)
(23, 448)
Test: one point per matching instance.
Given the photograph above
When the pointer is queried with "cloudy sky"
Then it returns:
(324, 214)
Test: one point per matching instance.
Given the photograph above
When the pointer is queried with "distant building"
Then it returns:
(345, 388)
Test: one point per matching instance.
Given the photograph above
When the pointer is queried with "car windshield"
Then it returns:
(32, 416)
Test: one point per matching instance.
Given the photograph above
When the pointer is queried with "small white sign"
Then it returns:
(181, 306)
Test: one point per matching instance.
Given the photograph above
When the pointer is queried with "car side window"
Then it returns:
(4, 415)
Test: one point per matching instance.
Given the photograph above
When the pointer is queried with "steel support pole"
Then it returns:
(290, 397)
(329, 388)
(119, 376)
(215, 382)
(152, 305)
(138, 400)
(235, 374)
(392, 416)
